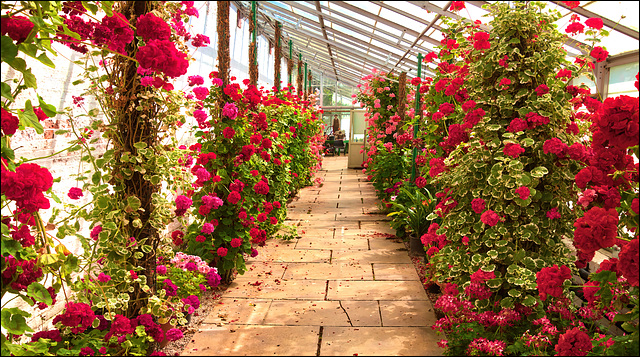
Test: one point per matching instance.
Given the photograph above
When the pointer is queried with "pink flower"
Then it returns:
(174, 334)
(201, 93)
(95, 232)
(523, 192)
(207, 228)
(161, 269)
(465, 240)
(230, 111)
(195, 80)
(75, 193)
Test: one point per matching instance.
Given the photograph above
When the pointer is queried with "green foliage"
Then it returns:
(480, 169)
(411, 209)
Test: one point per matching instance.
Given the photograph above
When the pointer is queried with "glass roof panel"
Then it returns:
(389, 29)
(412, 9)
(399, 19)
(341, 10)
(625, 11)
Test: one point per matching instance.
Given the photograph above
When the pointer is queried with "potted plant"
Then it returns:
(413, 211)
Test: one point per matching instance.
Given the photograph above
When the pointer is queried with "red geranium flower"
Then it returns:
(599, 53)
(575, 27)
(457, 5)
(542, 90)
(594, 22)
(513, 150)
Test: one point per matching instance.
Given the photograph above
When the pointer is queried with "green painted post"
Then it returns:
(291, 58)
(305, 78)
(416, 125)
(255, 30)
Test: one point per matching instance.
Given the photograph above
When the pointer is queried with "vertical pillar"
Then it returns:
(223, 42)
(305, 91)
(299, 81)
(416, 125)
(278, 57)
(253, 49)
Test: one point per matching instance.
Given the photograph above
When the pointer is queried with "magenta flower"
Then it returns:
(161, 269)
(174, 334)
(75, 193)
(182, 205)
(230, 111)
(103, 278)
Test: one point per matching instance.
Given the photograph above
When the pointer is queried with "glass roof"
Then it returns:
(363, 35)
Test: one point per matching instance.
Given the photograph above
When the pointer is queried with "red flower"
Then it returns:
(234, 197)
(503, 61)
(17, 27)
(599, 53)
(550, 280)
(200, 40)
(517, 125)
(513, 150)
(457, 5)
(75, 193)
(151, 27)
(481, 41)
(594, 23)
(261, 188)
(628, 264)
(564, 73)
(228, 132)
(572, 4)
(40, 113)
(542, 90)
(429, 57)
(575, 27)
(504, 82)
(553, 213)
(572, 128)
(421, 182)
(554, 146)
(78, 316)
(162, 56)
(222, 251)
(447, 108)
(273, 220)
(416, 80)
(10, 123)
(478, 205)
(490, 218)
(617, 119)
(573, 342)
(468, 105)
(523, 192)
(114, 32)
(595, 230)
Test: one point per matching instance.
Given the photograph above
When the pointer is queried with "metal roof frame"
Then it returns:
(340, 53)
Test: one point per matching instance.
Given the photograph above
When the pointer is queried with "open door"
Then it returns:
(357, 139)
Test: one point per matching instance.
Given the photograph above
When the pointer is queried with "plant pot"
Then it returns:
(165, 327)
(416, 248)
(188, 317)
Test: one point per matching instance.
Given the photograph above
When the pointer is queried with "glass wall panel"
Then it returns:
(621, 79)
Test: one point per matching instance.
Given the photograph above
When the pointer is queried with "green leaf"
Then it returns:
(48, 109)
(95, 178)
(6, 91)
(507, 302)
(528, 142)
(13, 320)
(9, 49)
(140, 145)
(45, 60)
(514, 293)
(39, 293)
(110, 225)
(133, 203)
(494, 127)
(529, 301)
(539, 171)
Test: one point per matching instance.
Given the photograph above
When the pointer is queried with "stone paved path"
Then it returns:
(339, 290)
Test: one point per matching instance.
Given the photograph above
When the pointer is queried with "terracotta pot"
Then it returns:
(165, 327)
(416, 248)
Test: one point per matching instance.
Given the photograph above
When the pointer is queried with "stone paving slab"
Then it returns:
(385, 243)
(331, 243)
(324, 271)
(407, 313)
(264, 270)
(375, 290)
(325, 313)
(283, 289)
(371, 256)
(379, 341)
(395, 272)
(238, 311)
(255, 341)
(293, 255)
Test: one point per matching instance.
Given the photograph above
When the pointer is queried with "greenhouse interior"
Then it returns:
(320, 178)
